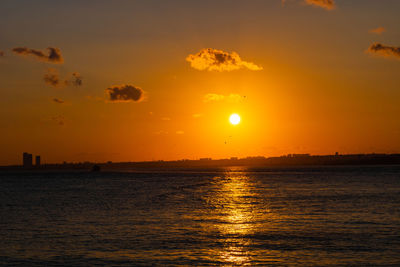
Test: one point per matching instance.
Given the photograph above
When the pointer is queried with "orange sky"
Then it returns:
(152, 80)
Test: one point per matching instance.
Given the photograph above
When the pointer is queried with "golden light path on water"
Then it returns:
(239, 214)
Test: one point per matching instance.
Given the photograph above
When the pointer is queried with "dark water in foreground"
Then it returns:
(305, 216)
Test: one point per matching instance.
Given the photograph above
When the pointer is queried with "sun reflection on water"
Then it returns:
(237, 215)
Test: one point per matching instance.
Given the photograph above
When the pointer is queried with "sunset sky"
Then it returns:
(158, 80)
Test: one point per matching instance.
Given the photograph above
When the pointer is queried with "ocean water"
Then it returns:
(320, 216)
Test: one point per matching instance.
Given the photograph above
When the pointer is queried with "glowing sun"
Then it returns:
(234, 119)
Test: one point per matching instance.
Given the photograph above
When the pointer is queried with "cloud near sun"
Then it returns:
(54, 54)
(233, 98)
(217, 60)
(124, 93)
(384, 50)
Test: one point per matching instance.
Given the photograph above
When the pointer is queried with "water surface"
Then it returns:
(282, 216)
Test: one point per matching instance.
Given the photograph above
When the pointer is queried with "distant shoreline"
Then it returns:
(291, 160)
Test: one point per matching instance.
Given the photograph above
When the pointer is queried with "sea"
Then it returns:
(238, 216)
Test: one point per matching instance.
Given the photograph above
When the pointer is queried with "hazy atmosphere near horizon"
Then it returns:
(158, 80)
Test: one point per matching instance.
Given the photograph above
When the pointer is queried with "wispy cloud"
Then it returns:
(60, 120)
(58, 101)
(378, 30)
(384, 50)
(217, 60)
(233, 98)
(326, 4)
(53, 55)
(197, 115)
(52, 78)
(124, 93)
(76, 80)
(160, 132)
(213, 98)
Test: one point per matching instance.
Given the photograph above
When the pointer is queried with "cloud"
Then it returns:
(326, 4)
(180, 132)
(233, 98)
(52, 78)
(125, 93)
(53, 56)
(384, 50)
(58, 101)
(160, 132)
(217, 60)
(378, 30)
(76, 80)
(213, 97)
(197, 115)
(60, 120)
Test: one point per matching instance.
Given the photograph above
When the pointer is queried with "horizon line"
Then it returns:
(290, 155)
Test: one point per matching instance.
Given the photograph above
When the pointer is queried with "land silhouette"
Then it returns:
(286, 160)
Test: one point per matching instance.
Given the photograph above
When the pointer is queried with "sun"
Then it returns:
(234, 119)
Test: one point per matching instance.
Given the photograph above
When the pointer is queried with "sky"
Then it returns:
(157, 80)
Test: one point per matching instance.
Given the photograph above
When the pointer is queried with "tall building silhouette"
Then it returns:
(27, 160)
(37, 160)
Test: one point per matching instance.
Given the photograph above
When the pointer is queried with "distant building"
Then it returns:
(300, 155)
(205, 159)
(27, 160)
(37, 160)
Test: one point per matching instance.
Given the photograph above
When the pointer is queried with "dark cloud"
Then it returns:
(58, 101)
(125, 93)
(52, 78)
(53, 55)
(76, 80)
(384, 50)
(218, 60)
